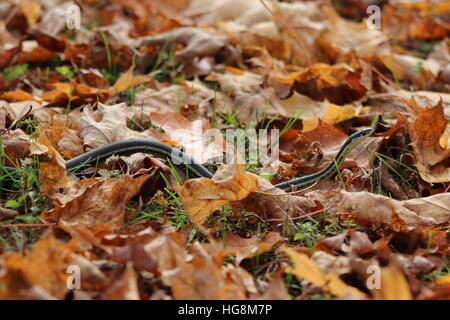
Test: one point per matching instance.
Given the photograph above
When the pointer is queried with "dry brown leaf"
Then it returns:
(17, 96)
(197, 274)
(16, 145)
(272, 202)
(339, 83)
(170, 98)
(202, 278)
(377, 209)
(64, 139)
(45, 268)
(128, 80)
(201, 197)
(191, 135)
(17, 110)
(96, 201)
(197, 42)
(124, 288)
(244, 248)
(343, 36)
(307, 269)
(31, 9)
(442, 280)
(106, 125)
(277, 288)
(52, 173)
(425, 139)
(168, 251)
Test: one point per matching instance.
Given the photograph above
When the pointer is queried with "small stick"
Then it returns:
(300, 217)
(385, 78)
(287, 193)
(13, 225)
(291, 31)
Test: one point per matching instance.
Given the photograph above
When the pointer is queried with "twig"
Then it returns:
(300, 217)
(385, 78)
(287, 193)
(291, 31)
(13, 225)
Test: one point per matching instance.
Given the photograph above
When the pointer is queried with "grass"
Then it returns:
(22, 191)
(108, 52)
(65, 71)
(406, 174)
(290, 123)
(444, 271)
(14, 72)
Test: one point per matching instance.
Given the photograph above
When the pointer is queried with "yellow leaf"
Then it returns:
(235, 71)
(125, 81)
(31, 10)
(307, 269)
(442, 280)
(393, 285)
(201, 197)
(335, 113)
(128, 80)
(309, 125)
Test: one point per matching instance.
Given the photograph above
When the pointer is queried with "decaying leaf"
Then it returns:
(52, 173)
(198, 42)
(307, 269)
(393, 285)
(271, 202)
(44, 268)
(107, 124)
(201, 197)
(425, 139)
(398, 215)
(245, 248)
(96, 201)
(77, 75)
(125, 288)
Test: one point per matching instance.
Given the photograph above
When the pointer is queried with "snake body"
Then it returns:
(181, 159)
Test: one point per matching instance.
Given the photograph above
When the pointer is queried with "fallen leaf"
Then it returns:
(52, 173)
(192, 135)
(96, 201)
(245, 248)
(106, 125)
(125, 288)
(201, 197)
(31, 9)
(276, 289)
(425, 140)
(17, 95)
(336, 41)
(128, 80)
(64, 139)
(307, 269)
(393, 285)
(45, 267)
(398, 215)
(198, 42)
(270, 202)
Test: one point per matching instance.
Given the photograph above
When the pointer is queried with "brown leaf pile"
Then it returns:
(136, 227)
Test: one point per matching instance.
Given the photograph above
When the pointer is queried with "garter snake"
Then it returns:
(181, 159)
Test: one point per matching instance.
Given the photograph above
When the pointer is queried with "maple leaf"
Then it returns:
(201, 197)
(396, 214)
(44, 268)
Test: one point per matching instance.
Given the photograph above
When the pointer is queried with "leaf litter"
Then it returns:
(138, 228)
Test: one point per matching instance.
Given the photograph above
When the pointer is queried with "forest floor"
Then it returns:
(77, 75)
